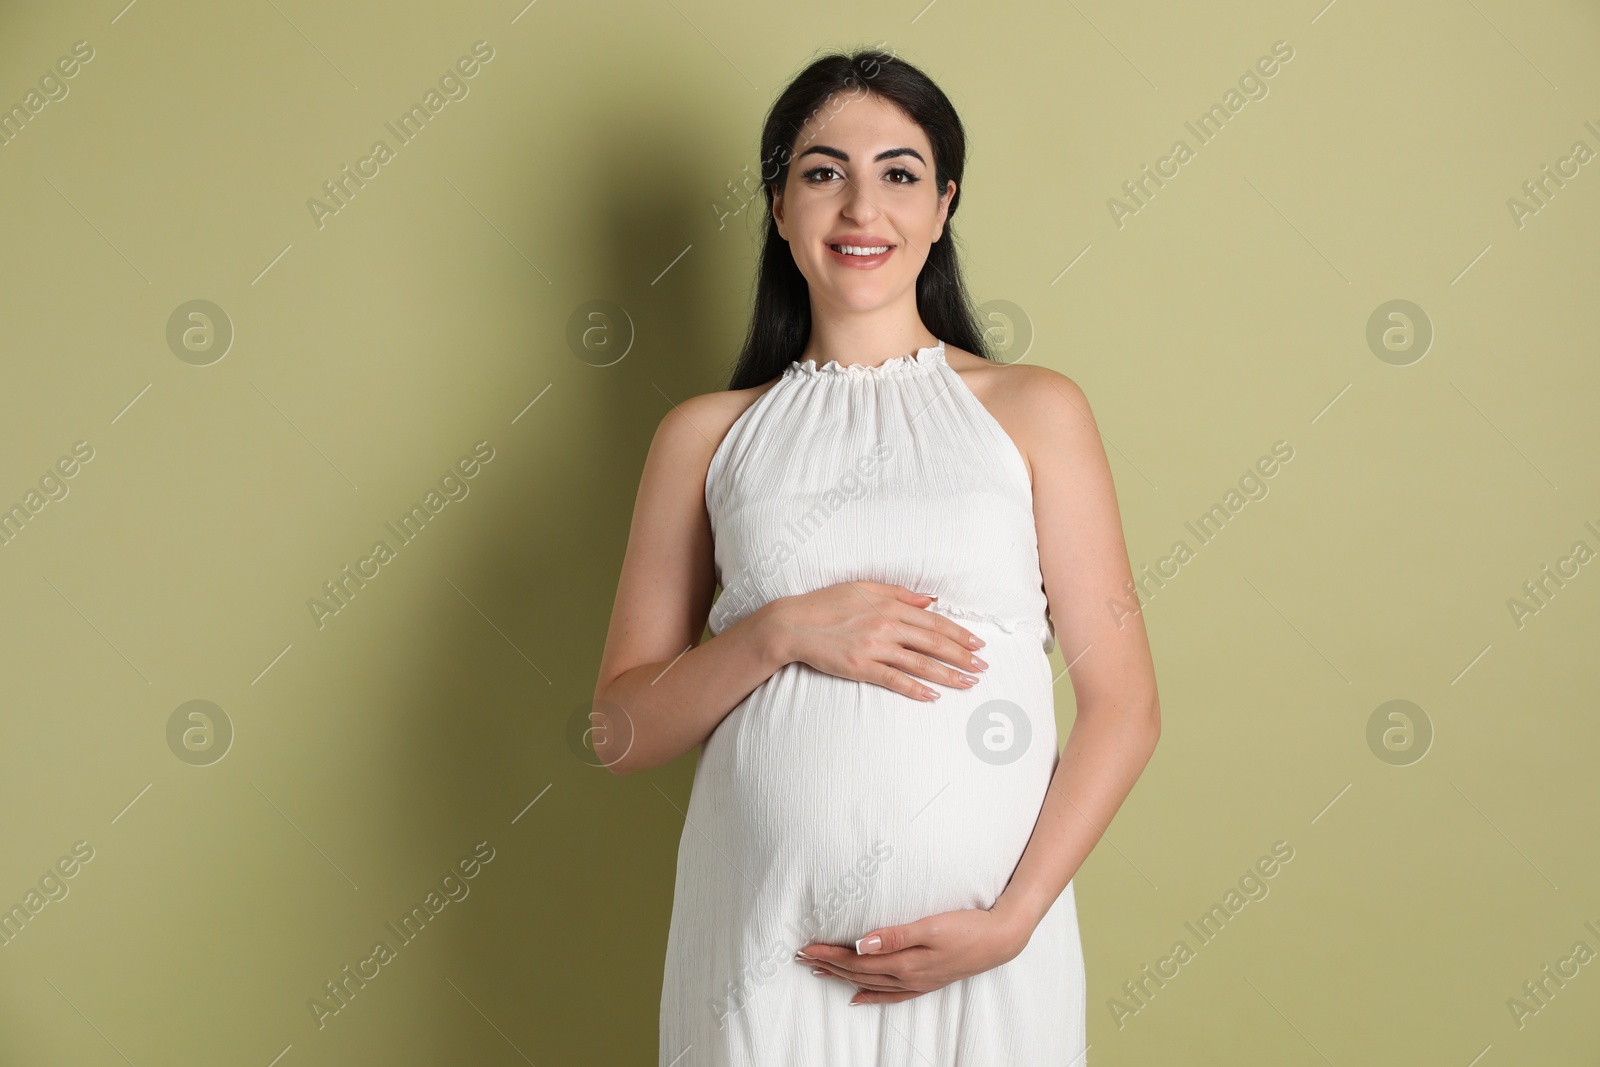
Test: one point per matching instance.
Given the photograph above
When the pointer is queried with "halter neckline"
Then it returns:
(924, 359)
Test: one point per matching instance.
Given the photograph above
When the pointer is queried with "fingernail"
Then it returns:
(976, 642)
(819, 972)
(857, 1003)
(929, 693)
(976, 662)
(869, 943)
(803, 956)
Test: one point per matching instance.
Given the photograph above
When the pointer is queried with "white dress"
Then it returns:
(823, 808)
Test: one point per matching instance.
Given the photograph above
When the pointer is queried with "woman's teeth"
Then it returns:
(854, 250)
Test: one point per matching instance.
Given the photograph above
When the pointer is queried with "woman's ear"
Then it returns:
(945, 201)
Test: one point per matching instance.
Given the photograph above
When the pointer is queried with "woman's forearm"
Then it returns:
(653, 713)
(1105, 753)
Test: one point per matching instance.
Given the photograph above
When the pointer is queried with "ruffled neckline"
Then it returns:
(924, 360)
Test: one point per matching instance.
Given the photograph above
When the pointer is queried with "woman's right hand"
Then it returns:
(875, 632)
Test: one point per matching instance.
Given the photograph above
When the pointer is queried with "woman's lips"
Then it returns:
(860, 262)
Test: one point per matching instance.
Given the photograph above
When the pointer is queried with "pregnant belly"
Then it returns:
(848, 806)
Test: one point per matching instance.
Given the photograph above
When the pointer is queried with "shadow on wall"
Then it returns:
(562, 939)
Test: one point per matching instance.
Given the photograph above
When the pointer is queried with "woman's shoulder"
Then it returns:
(695, 427)
(1009, 377)
(1039, 407)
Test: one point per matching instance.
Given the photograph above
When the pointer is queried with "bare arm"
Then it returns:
(1084, 561)
(660, 693)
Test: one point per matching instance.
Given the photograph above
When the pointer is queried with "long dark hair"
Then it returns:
(780, 321)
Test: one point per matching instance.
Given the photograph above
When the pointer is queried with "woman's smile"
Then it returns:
(860, 254)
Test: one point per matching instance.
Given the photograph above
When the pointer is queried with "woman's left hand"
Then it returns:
(908, 961)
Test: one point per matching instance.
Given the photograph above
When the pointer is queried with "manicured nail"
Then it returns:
(929, 693)
(857, 1003)
(819, 972)
(976, 642)
(869, 943)
(978, 663)
(803, 956)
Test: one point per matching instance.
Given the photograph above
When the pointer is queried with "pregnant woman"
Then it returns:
(877, 855)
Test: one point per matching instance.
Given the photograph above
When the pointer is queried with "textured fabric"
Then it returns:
(823, 808)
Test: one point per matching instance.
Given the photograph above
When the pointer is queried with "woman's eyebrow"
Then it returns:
(888, 153)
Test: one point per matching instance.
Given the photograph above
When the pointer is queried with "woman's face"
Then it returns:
(861, 175)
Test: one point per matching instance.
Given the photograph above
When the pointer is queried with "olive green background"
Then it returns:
(600, 156)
